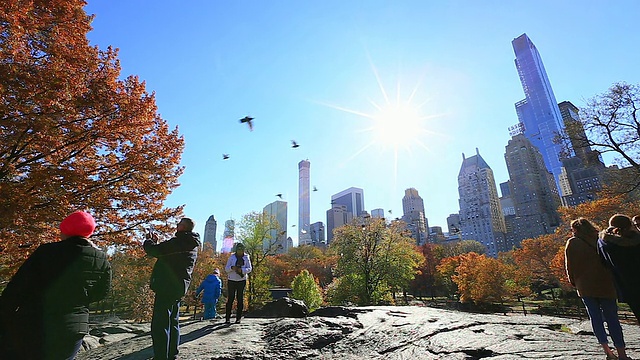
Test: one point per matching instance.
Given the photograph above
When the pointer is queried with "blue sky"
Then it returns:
(322, 73)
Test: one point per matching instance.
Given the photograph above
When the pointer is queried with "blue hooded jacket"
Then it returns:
(212, 287)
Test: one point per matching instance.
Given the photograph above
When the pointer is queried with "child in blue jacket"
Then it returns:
(212, 287)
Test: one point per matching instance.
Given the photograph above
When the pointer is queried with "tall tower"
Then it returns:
(481, 216)
(304, 217)
(278, 209)
(228, 237)
(538, 112)
(413, 215)
(210, 228)
(532, 190)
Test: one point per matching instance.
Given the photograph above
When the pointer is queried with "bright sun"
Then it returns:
(397, 125)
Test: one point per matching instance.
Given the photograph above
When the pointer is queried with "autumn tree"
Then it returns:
(425, 281)
(611, 122)
(598, 211)
(482, 279)
(284, 267)
(446, 270)
(255, 232)
(130, 292)
(375, 257)
(74, 134)
(535, 257)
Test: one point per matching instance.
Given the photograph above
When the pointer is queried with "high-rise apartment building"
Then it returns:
(538, 112)
(352, 198)
(532, 190)
(210, 228)
(304, 214)
(337, 216)
(377, 213)
(413, 215)
(278, 209)
(481, 216)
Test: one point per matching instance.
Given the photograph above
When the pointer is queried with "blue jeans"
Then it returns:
(210, 309)
(604, 310)
(165, 329)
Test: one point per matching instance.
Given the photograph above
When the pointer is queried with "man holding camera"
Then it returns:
(170, 280)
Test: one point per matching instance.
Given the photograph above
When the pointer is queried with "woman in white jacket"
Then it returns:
(238, 266)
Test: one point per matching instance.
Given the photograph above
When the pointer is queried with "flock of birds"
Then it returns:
(249, 121)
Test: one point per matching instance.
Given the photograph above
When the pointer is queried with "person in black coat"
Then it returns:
(619, 248)
(170, 281)
(44, 308)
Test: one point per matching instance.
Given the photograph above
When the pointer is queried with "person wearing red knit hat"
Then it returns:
(44, 308)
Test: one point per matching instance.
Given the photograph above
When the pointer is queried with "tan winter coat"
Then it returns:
(586, 271)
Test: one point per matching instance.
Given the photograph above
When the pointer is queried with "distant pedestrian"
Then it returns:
(594, 284)
(237, 268)
(212, 287)
(619, 247)
(170, 281)
(45, 307)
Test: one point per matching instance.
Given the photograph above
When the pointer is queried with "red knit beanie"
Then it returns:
(79, 223)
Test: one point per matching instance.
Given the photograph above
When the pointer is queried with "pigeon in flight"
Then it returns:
(389, 211)
(279, 195)
(294, 144)
(225, 156)
(315, 188)
(248, 120)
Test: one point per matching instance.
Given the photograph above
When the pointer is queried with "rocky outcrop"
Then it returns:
(373, 333)
(282, 308)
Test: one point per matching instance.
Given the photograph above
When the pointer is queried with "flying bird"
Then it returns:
(279, 195)
(225, 156)
(248, 120)
(294, 144)
(303, 231)
(389, 211)
(315, 188)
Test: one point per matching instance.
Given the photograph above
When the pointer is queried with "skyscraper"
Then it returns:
(210, 228)
(303, 202)
(228, 237)
(538, 112)
(532, 190)
(480, 212)
(278, 209)
(317, 234)
(413, 215)
(337, 216)
(352, 198)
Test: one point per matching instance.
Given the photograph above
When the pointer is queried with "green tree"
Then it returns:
(305, 287)
(376, 256)
(255, 232)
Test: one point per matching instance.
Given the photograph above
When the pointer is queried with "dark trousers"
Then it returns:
(235, 289)
(165, 329)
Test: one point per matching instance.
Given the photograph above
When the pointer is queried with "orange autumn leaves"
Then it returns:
(74, 134)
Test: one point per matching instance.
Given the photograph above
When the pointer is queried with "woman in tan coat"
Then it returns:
(594, 284)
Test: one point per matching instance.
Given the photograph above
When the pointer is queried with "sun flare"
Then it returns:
(397, 125)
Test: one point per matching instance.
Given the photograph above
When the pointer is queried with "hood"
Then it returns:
(210, 278)
(609, 237)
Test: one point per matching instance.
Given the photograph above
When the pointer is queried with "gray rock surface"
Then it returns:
(381, 332)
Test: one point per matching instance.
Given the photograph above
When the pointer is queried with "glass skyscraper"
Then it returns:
(538, 112)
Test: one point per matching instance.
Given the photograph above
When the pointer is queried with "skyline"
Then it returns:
(321, 74)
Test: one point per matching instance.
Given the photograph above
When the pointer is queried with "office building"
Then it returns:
(337, 216)
(228, 237)
(352, 198)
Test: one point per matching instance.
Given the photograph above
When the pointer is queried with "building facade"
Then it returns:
(304, 214)
(481, 216)
(352, 198)
(228, 237)
(413, 215)
(210, 228)
(278, 237)
(533, 192)
(538, 112)
(337, 216)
